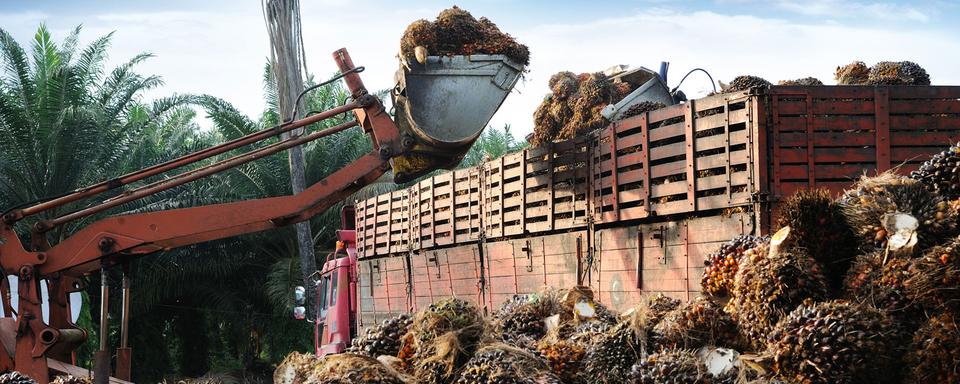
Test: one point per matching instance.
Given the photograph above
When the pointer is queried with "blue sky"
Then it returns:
(219, 47)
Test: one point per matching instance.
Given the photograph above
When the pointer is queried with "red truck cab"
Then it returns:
(336, 304)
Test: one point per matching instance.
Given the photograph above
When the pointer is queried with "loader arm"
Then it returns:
(112, 240)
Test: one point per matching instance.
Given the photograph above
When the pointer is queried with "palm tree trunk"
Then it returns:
(283, 25)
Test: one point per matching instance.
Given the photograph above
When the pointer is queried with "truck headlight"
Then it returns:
(299, 313)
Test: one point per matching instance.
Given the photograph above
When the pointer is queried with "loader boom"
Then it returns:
(114, 240)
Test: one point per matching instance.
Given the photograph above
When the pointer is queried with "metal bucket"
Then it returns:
(443, 105)
(653, 89)
(448, 101)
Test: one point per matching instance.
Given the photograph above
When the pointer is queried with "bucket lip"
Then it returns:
(470, 58)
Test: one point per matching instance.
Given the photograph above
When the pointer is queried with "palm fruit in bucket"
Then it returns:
(833, 342)
(641, 108)
(454, 75)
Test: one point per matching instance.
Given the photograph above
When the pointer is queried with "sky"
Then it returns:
(219, 47)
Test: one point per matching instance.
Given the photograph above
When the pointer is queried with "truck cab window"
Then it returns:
(324, 285)
(333, 291)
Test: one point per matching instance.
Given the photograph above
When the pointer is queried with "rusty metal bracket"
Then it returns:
(529, 252)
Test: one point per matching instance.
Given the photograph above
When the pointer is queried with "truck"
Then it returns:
(428, 132)
(630, 210)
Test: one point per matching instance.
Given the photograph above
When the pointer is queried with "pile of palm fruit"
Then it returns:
(882, 73)
(457, 32)
(574, 104)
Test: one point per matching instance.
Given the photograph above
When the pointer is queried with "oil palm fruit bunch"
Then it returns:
(503, 364)
(934, 279)
(585, 333)
(565, 358)
(295, 368)
(698, 323)
(771, 282)
(746, 82)
(15, 377)
(721, 265)
(941, 174)
(445, 335)
(892, 207)
(457, 32)
(806, 82)
(523, 326)
(348, 368)
(646, 315)
(933, 354)
(855, 73)
(818, 225)
(70, 379)
(641, 108)
(880, 281)
(673, 366)
(833, 342)
(609, 359)
(897, 73)
(383, 339)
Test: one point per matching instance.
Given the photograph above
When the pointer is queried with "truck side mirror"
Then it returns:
(299, 313)
(300, 296)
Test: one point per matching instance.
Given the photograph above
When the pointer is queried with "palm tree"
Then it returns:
(67, 122)
(491, 144)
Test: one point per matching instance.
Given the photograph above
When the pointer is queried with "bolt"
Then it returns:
(106, 244)
(26, 272)
(41, 226)
(408, 142)
(41, 257)
(10, 217)
(386, 153)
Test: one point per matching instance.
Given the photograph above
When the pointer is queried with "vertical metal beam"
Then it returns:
(685, 233)
(811, 155)
(614, 172)
(775, 124)
(691, 152)
(124, 354)
(645, 161)
(881, 102)
(101, 369)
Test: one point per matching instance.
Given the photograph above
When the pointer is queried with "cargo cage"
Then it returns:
(635, 207)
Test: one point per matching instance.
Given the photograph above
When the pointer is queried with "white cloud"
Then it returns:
(852, 9)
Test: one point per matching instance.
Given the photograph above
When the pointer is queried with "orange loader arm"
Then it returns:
(113, 240)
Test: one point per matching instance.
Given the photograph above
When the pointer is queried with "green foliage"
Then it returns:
(491, 144)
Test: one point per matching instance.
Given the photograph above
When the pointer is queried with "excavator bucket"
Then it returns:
(444, 104)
